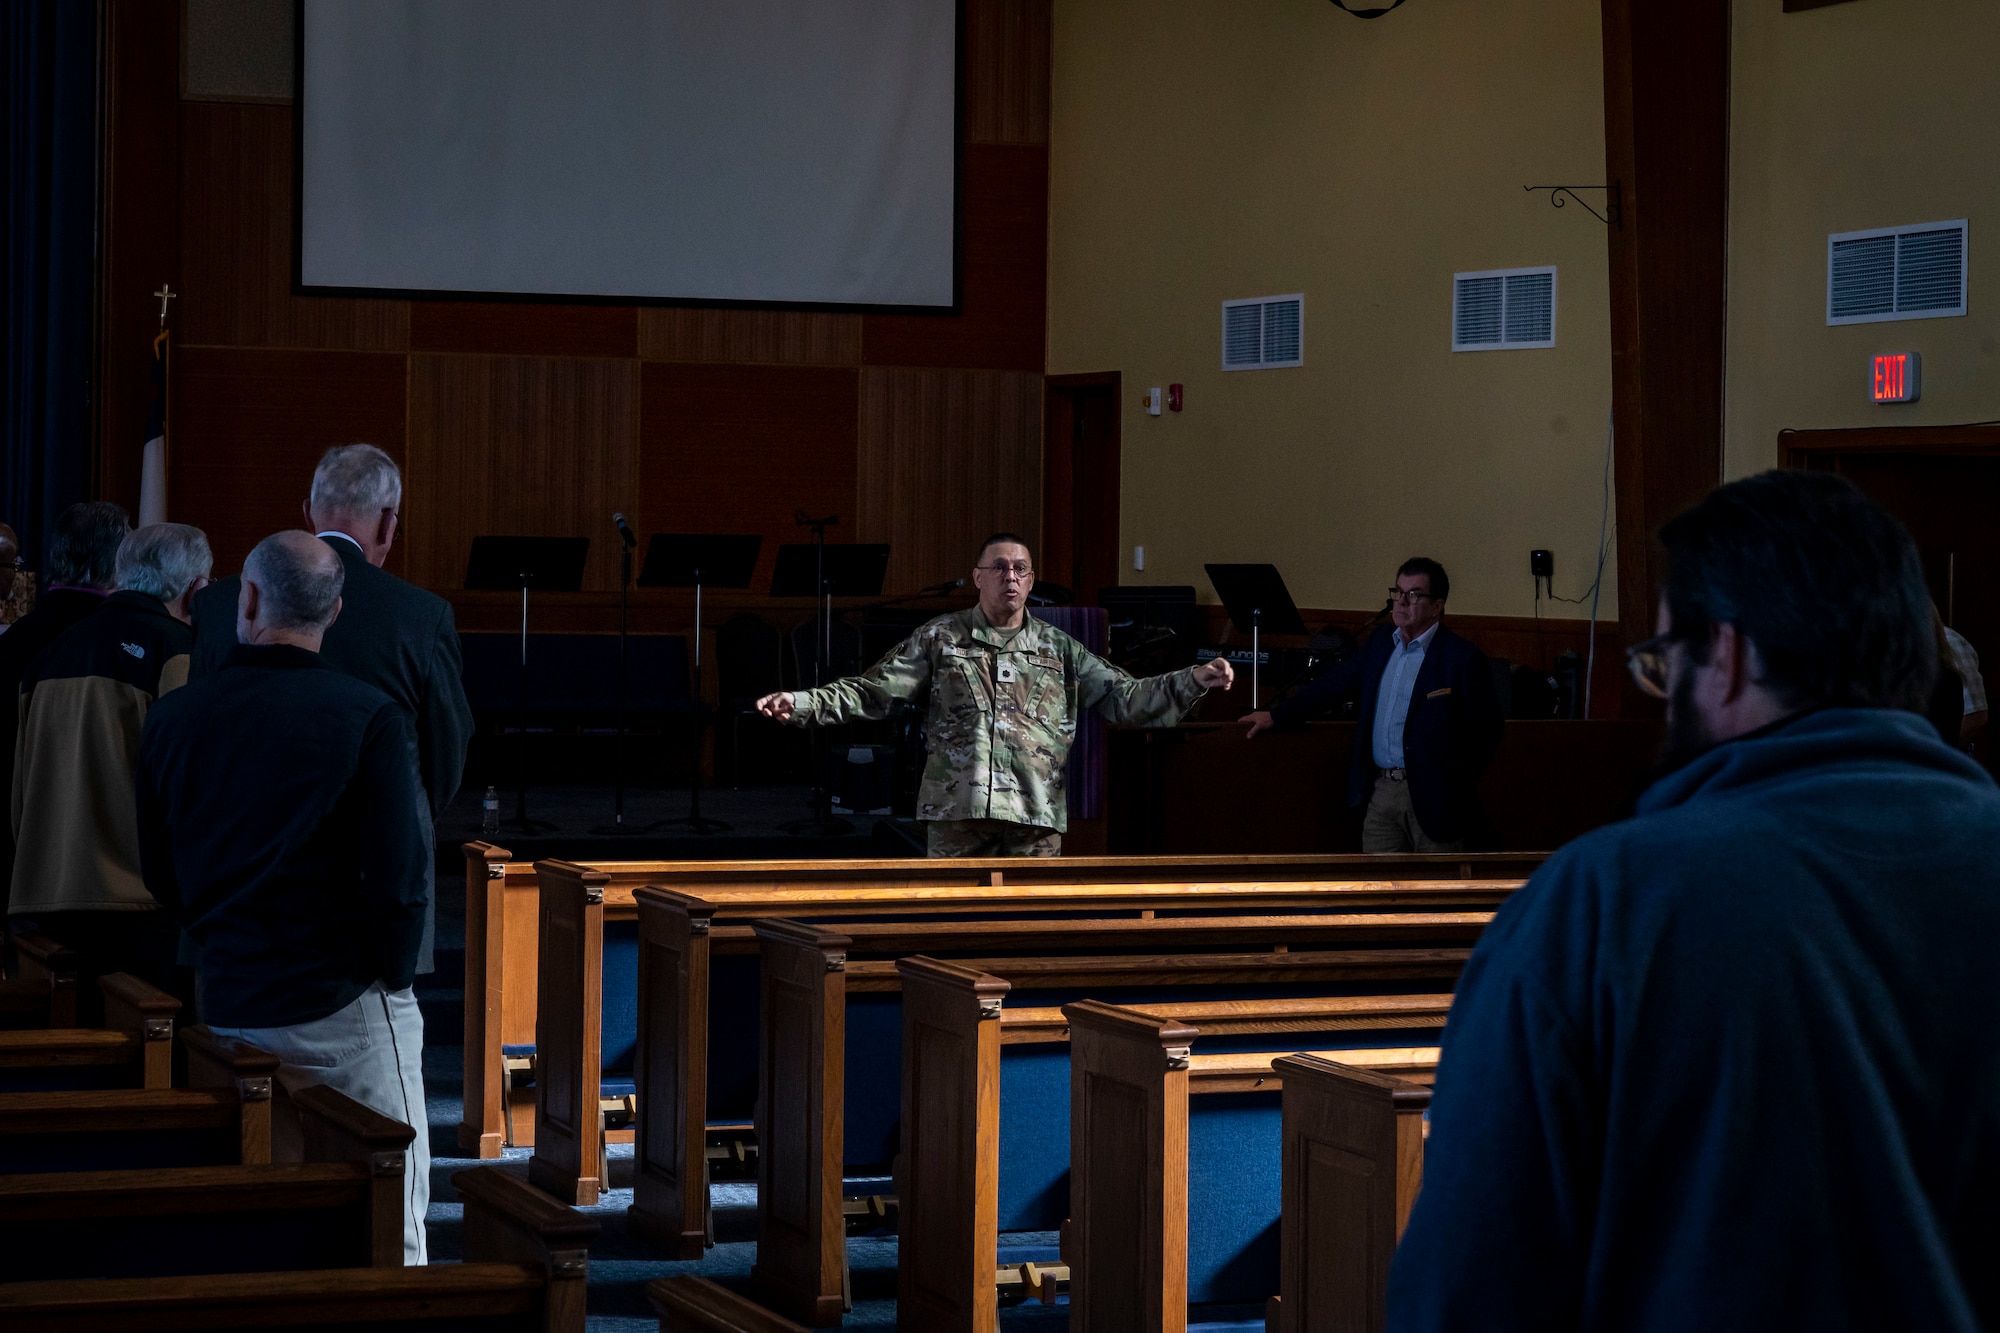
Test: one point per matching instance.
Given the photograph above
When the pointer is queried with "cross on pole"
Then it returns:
(165, 294)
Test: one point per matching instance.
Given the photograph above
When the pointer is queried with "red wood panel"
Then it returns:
(236, 242)
(142, 75)
(742, 448)
(249, 426)
(1007, 48)
(517, 445)
(749, 337)
(947, 457)
(525, 328)
(1003, 274)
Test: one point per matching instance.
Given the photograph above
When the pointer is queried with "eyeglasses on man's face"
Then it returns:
(1409, 596)
(1648, 663)
(1001, 569)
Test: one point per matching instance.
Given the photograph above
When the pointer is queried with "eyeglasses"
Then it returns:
(1648, 664)
(1020, 569)
(1408, 595)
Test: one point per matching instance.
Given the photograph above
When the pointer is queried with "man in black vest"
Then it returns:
(391, 634)
(1428, 724)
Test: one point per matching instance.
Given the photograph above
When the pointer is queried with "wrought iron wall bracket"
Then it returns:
(1612, 198)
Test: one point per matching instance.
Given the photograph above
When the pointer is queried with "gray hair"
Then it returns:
(356, 479)
(298, 580)
(163, 560)
(83, 553)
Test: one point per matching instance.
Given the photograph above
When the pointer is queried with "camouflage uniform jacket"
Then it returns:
(1002, 714)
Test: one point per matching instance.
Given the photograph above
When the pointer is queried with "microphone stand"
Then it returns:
(822, 821)
(618, 827)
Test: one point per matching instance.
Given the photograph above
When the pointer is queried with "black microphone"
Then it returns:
(947, 586)
(624, 533)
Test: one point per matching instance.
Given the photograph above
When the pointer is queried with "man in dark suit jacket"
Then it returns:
(390, 634)
(1428, 724)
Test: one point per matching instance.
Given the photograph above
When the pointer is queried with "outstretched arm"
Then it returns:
(902, 674)
(1157, 701)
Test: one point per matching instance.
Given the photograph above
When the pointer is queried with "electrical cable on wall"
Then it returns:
(1594, 592)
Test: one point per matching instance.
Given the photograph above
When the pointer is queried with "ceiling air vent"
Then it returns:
(1896, 273)
(1263, 333)
(1504, 307)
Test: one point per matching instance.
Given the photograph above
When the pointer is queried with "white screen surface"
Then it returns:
(793, 151)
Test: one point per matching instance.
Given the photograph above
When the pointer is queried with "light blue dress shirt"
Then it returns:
(1392, 703)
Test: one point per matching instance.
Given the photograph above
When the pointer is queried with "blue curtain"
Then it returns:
(50, 77)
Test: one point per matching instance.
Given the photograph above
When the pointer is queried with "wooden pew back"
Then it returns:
(342, 1207)
(1353, 1164)
(526, 1267)
(134, 1047)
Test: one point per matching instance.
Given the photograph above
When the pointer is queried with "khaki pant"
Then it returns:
(992, 837)
(1391, 825)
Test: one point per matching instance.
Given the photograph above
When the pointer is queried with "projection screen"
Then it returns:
(792, 151)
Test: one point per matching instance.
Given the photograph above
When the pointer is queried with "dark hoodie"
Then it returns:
(1731, 1064)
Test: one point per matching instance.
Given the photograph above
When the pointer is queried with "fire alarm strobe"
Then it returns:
(1892, 377)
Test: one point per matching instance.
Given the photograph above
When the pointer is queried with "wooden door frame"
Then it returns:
(1796, 448)
(1051, 451)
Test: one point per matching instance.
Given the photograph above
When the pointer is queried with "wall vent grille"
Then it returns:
(1264, 332)
(1914, 272)
(1500, 308)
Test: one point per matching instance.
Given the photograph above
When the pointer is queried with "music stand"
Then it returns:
(691, 560)
(1257, 597)
(824, 572)
(538, 564)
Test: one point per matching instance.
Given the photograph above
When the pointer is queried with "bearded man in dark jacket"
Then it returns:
(1729, 1064)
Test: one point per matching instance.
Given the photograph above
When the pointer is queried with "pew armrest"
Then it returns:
(508, 1220)
(689, 1304)
(337, 1128)
(39, 958)
(147, 1013)
(225, 1062)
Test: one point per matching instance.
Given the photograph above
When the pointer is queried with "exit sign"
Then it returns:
(1892, 378)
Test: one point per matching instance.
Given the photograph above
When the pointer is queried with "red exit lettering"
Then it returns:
(1892, 377)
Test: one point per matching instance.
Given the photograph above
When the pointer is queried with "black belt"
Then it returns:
(1394, 774)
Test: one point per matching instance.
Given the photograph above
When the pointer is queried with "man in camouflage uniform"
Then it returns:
(1005, 693)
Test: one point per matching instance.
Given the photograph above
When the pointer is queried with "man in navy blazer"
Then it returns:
(1428, 724)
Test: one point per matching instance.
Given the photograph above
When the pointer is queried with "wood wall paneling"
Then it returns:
(749, 337)
(524, 328)
(249, 426)
(1007, 52)
(1666, 112)
(1002, 322)
(743, 448)
(520, 446)
(142, 81)
(947, 457)
(236, 243)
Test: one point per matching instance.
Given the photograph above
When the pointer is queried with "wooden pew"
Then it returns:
(1134, 1192)
(222, 1118)
(689, 1304)
(676, 1024)
(811, 1123)
(503, 919)
(962, 1045)
(134, 1048)
(341, 1207)
(525, 1271)
(1353, 1163)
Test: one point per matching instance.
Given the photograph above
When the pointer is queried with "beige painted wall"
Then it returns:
(1872, 114)
(1206, 150)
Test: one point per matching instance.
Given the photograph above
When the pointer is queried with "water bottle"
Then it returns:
(489, 821)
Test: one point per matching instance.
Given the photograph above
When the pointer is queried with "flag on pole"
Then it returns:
(153, 467)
